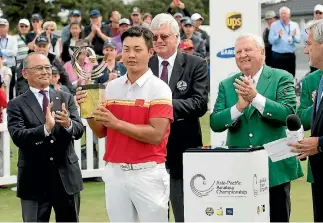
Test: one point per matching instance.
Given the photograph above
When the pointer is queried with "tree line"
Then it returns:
(13, 10)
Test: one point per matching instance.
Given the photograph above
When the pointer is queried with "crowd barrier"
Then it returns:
(91, 170)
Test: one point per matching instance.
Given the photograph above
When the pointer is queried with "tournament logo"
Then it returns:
(226, 53)
(234, 20)
(261, 209)
(219, 212)
(209, 211)
(197, 192)
(260, 185)
(229, 211)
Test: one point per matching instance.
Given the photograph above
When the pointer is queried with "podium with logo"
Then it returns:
(226, 185)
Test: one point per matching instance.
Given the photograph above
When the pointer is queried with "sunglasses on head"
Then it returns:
(162, 36)
(318, 12)
(22, 26)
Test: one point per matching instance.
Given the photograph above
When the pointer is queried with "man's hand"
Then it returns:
(50, 118)
(80, 95)
(94, 28)
(307, 147)
(103, 115)
(280, 33)
(294, 32)
(242, 103)
(62, 117)
(245, 89)
(313, 95)
(181, 5)
(112, 76)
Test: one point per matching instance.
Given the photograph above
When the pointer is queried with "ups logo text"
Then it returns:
(234, 20)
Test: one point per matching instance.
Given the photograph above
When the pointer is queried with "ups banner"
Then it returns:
(228, 20)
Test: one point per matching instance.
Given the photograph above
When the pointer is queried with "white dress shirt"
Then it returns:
(258, 102)
(39, 98)
(171, 61)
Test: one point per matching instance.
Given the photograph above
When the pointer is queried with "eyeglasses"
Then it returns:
(162, 36)
(50, 30)
(40, 68)
(318, 12)
(24, 26)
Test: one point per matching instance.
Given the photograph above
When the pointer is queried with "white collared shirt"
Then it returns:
(171, 61)
(143, 88)
(39, 96)
(259, 102)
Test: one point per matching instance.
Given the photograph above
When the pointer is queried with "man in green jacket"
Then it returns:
(253, 106)
(304, 111)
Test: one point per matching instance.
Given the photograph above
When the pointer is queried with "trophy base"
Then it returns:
(95, 95)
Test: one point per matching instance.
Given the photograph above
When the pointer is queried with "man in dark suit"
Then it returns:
(43, 124)
(313, 146)
(187, 77)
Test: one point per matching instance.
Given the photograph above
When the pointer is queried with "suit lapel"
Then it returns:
(154, 65)
(177, 71)
(34, 105)
(55, 97)
(318, 113)
(262, 85)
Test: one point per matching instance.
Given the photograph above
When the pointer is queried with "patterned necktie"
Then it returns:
(164, 74)
(45, 100)
(319, 94)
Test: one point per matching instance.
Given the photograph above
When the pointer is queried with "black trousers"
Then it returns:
(280, 204)
(66, 207)
(284, 61)
(12, 83)
(317, 196)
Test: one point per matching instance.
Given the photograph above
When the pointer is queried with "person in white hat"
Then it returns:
(9, 48)
(270, 17)
(23, 28)
(197, 21)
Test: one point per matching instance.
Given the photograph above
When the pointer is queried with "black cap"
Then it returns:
(184, 18)
(95, 13)
(187, 22)
(36, 16)
(41, 40)
(75, 13)
(109, 43)
(55, 70)
(135, 11)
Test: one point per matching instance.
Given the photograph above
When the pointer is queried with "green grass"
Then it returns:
(93, 201)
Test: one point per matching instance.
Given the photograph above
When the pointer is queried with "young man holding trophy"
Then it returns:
(136, 115)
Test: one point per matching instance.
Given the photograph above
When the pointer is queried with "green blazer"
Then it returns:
(304, 111)
(255, 129)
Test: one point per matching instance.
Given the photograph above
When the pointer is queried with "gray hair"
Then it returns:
(25, 62)
(165, 19)
(257, 39)
(284, 8)
(317, 27)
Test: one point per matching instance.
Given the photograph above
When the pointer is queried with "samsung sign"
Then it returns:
(226, 53)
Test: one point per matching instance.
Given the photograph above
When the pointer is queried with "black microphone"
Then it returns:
(295, 131)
